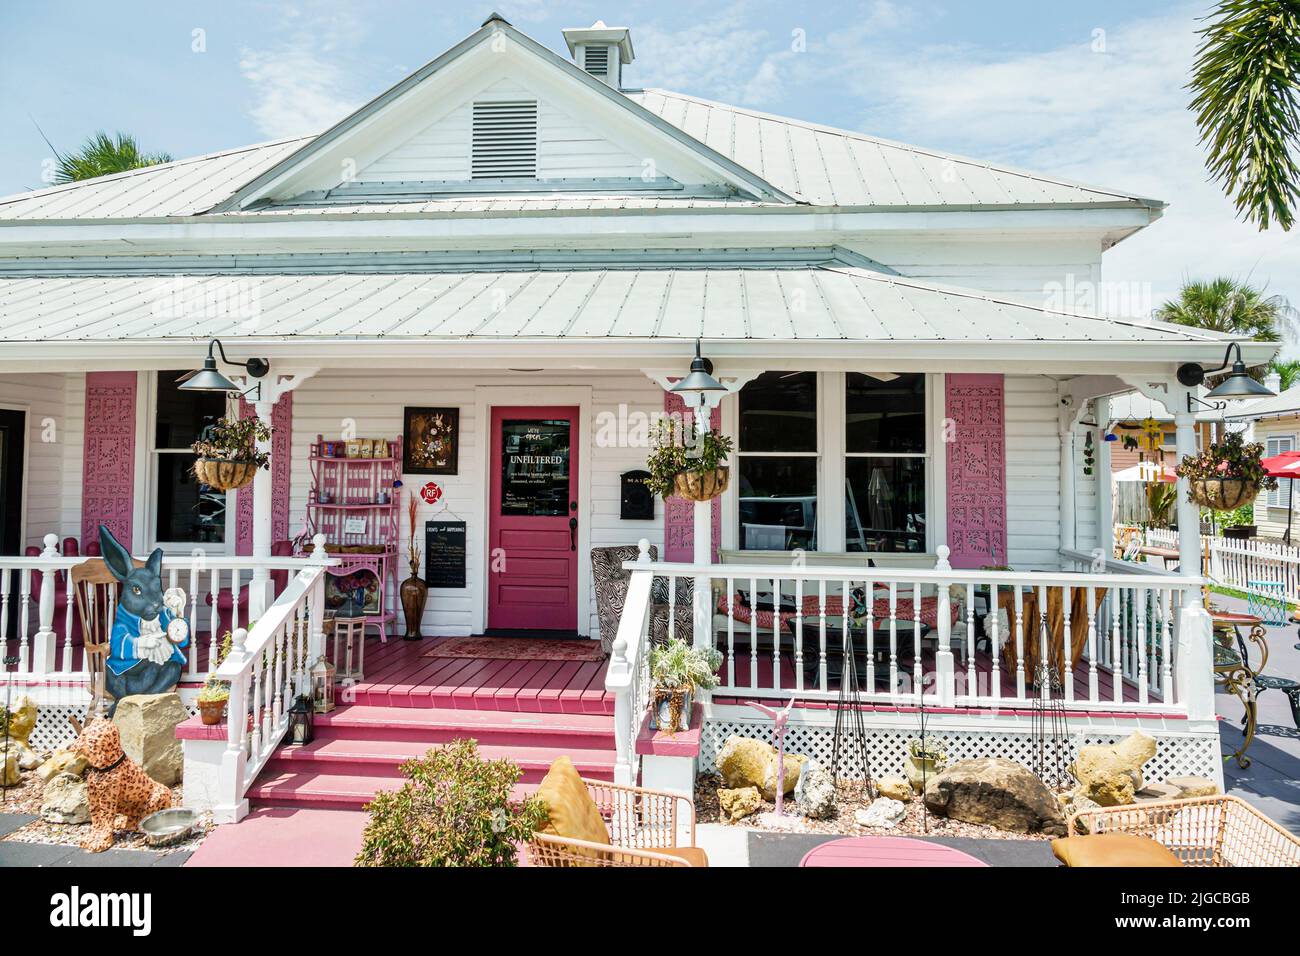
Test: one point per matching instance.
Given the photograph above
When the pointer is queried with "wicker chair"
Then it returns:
(643, 830)
(1218, 830)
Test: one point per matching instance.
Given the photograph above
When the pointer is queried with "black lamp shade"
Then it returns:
(700, 378)
(208, 379)
(1239, 384)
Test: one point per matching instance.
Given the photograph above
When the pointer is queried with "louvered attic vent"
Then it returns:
(505, 140)
(595, 60)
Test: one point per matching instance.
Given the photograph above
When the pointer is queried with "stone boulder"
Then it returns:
(815, 795)
(740, 802)
(62, 761)
(27, 758)
(64, 800)
(9, 775)
(895, 788)
(995, 792)
(746, 762)
(1111, 774)
(1192, 787)
(22, 719)
(147, 723)
(883, 813)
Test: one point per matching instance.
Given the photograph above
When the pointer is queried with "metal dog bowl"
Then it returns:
(168, 826)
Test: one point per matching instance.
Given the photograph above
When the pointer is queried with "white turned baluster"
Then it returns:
(1019, 598)
(972, 684)
(214, 621)
(24, 609)
(1093, 661)
(5, 575)
(69, 622)
(893, 637)
(821, 635)
(255, 741)
(776, 633)
(867, 597)
(918, 674)
(753, 632)
(45, 642)
(1067, 666)
(1041, 636)
(798, 633)
(234, 597)
(1166, 642)
(731, 632)
(995, 688)
(1116, 648)
(1139, 607)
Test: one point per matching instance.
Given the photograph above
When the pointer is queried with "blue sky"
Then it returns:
(1087, 91)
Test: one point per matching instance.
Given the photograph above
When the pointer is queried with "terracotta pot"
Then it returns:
(211, 711)
(1223, 494)
(701, 485)
(414, 593)
(221, 474)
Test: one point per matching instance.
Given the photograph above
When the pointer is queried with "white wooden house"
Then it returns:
(515, 237)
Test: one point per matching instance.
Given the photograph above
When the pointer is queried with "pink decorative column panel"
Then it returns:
(977, 470)
(281, 460)
(108, 456)
(679, 515)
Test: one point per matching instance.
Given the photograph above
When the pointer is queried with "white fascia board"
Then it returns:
(1158, 360)
(629, 228)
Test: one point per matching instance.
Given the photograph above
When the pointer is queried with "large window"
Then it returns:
(885, 458)
(777, 456)
(185, 512)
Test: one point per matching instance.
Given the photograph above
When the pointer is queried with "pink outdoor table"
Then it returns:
(886, 851)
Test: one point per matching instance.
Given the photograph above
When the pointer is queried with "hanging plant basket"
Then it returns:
(1223, 494)
(701, 485)
(222, 474)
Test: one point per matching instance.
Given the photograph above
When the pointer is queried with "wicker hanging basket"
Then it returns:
(701, 485)
(221, 474)
(1223, 494)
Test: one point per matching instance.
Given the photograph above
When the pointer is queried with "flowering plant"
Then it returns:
(680, 447)
(1231, 459)
(234, 439)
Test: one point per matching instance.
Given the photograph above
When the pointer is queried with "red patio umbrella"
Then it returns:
(1286, 465)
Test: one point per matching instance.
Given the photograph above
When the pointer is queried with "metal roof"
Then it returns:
(832, 302)
(1284, 403)
(834, 167)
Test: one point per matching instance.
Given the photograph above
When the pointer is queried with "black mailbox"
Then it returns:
(636, 503)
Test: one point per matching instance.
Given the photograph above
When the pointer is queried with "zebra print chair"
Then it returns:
(611, 580)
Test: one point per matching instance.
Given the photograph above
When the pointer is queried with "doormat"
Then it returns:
(518, 649)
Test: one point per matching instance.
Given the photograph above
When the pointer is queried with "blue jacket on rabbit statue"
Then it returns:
(145, 648)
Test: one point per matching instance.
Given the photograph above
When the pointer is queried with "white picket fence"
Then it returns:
(1250, 565)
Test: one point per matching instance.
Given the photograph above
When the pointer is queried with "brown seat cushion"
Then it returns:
(1113, 849)
(691, 854)
(573, 813)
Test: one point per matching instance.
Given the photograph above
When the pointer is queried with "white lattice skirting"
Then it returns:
(54, 705)
(1180, 750)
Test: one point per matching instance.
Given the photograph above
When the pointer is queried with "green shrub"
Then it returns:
(454, 811)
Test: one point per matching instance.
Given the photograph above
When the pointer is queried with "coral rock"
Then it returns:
(1111, 774)
(895, 788)
(739, 802)
(65, 800)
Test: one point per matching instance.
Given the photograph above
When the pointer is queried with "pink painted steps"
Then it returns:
(359, 747)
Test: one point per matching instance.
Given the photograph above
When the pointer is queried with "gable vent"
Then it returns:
(595, 60)
(505, 140)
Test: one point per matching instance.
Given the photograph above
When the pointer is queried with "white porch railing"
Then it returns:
(39, 616)
(267, 668)
(1127, 642)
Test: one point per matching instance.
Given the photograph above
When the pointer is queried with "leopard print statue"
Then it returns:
(115, 784)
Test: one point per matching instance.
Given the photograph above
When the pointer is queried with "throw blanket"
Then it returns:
(835, 609)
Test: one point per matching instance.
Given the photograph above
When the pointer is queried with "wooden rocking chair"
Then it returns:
(96, 593)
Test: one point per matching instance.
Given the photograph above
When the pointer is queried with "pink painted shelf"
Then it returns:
(659, 743)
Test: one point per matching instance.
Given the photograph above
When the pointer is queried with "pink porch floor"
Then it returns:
(279, 836)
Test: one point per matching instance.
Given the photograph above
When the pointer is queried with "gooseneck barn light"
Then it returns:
(208, 379)
(699, 381)
(1237, 383)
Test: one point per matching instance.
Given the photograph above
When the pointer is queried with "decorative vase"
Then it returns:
(701, 485)
(414, 592)
(221, 474)
(211, 711)
(920, 770)
(1223, 494)
(671, 711)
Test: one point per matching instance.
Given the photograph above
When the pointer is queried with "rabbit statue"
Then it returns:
(145, 653)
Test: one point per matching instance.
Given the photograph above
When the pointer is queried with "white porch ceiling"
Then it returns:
(808, 304)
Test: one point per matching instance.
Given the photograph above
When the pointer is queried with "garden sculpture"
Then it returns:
(115, 784)
(780, 718)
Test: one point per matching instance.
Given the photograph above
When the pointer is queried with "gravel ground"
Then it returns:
(916, 823)
(26, 798)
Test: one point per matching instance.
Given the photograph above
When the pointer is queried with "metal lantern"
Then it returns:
(322, 685)
(301, 730)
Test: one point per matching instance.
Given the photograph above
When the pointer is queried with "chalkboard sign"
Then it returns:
(444, 554)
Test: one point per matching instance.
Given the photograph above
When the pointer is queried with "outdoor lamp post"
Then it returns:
(208, 379)
(695, 390)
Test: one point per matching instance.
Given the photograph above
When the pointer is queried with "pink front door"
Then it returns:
(533, 519)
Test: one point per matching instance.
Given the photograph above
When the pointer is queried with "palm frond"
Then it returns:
(104, 155)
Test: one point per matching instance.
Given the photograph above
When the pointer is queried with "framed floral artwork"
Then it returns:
(430, 440)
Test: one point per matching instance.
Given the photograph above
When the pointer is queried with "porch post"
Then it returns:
(702, 540)
(45, 641)
(1189, 515)
(1105, 507)
(259, 589)
(1066, 486)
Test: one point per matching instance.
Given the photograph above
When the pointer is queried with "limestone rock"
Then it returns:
(147, 723)
(22, 719)
(1081, 804)
(895, 788)
(9, 775)
(62, 761)
(814, 795)
(1192, 787)
(64, 800)
(1156, 792)
(883, 813)
(995, 792)
(746, 762)
(27, 758)
(1111, 774)
(740, 802)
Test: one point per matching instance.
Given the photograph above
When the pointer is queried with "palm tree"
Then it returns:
(1226, 305)
(1246, 81)
(1288, 372)
(102, 155)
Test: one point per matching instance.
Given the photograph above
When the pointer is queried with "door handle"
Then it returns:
(573, 534)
